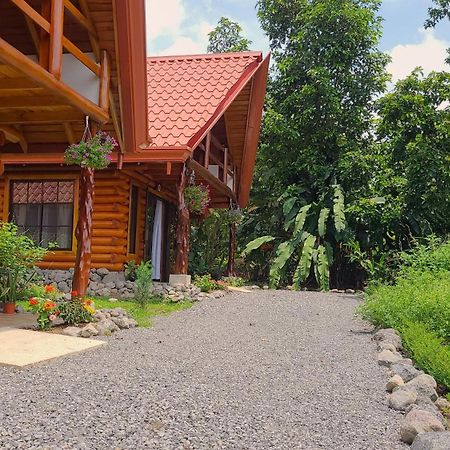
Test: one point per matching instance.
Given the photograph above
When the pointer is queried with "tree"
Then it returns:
(328, 70)
(436, 14)
(227, 37)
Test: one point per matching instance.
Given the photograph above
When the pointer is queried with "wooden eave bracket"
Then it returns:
(13, 135)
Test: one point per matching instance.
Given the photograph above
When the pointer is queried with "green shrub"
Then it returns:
(234, 281)
(75, 311)
(18, 255)
(143, 283)
(130, 270)
(428, 351)
(206, 284)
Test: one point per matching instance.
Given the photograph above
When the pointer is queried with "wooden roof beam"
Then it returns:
(40, 117)
(215, 183)
(20, 62)
(15, 136)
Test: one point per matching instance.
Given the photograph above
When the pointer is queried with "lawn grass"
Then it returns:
(143, 315)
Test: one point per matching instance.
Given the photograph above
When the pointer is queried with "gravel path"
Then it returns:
(267, 370)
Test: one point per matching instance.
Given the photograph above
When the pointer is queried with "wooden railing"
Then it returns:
(51, 51)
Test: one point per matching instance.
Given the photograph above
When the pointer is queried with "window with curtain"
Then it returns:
(44, 211)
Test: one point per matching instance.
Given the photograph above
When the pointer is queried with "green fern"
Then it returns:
(323, 216)
(304, 264)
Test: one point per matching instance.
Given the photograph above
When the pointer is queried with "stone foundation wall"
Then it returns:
(104, 283)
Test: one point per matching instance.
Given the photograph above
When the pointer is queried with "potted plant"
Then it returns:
(91, 152)
(197, 199)
(18, 255)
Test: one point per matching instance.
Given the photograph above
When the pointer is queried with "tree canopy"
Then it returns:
(227, 37)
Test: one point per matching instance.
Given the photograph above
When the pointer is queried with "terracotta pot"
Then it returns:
(9, 308)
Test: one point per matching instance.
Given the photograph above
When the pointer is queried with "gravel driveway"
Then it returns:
(266, 370)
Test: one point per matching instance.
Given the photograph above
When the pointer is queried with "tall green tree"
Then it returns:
(328, 70)
(227, 37)
(440, 11)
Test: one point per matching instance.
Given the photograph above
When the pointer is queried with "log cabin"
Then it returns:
(68, 64)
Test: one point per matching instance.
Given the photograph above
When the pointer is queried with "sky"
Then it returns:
(180, 27)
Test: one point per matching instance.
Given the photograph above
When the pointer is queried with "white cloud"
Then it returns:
(172, 24)
(429, 54)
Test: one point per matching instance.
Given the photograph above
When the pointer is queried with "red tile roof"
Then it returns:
(188, 94)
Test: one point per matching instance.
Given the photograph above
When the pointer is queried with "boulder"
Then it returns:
(442, 404)
(423, 379)
(416, 422)
(388, 335)
(387, 358)
(88, 331)
(432, 441)
(426, 404)
(63, 287)
(406, 371)
(102, 271)
(384, 345)
(95, 277)
(106, 327)
(72, 331)
(114, 277)
(400, 399)
(394, 382)
(121, 322)
(423, 390)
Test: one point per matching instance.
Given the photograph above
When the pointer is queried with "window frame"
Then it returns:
(134, 251)
(33, 177)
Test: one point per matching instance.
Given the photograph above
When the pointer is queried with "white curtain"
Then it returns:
(157, 240)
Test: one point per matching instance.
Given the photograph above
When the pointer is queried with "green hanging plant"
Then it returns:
(197, 198)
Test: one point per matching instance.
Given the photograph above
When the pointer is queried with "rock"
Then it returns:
(113, 277)
(425, 404)
(432, 441)
(406, 371)
(400, 399)
(88, 331)
(132, 322)
(72, 331)
(103, 272)
(99, 316)
(416, 422)
(442, 404)
(19, 309)
(384, 345)
(121, 322)
(424, 379)
(112, 300)
(388, 335)
(394, 382)
(63, 287)
(387, 358)
(265, 288)
(106, 327)
(407, 361)
(421, 389)
(95, 277)
(349, 291)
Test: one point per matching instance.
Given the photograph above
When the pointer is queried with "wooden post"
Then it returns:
(44, 41)
(232, 245)
(56, 38)
(207, 149)
(83, 232)
(183, 227)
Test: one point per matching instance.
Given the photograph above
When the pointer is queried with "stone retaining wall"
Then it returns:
(104, 283)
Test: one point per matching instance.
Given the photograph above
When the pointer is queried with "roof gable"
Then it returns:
(187, 94)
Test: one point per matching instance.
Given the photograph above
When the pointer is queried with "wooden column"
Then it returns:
(232, 246)
(83, 232)
(183, 227)
(44, 38)
(207, 149)
(56, 37)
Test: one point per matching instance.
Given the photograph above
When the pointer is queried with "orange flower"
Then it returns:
(33, 301)
(49, 305)
(49, 288)
(88, 302)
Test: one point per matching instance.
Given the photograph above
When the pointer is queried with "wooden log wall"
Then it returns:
(2, 197)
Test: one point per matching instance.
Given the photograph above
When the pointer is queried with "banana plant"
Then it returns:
(314, 229)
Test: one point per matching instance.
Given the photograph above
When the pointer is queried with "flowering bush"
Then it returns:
(46, 307)
(93, 153)
(206, 284)
(49, 304)
(197, 198)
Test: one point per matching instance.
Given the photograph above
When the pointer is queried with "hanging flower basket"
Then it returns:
(234, 216)
(93, 152)
(197, 198)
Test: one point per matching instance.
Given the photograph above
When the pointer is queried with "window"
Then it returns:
(44, 211)
(133, 219)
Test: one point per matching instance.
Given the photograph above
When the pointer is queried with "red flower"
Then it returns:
(74, 293)
(56, 313)
(49, 288)
(49, 305)
(33, 301)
